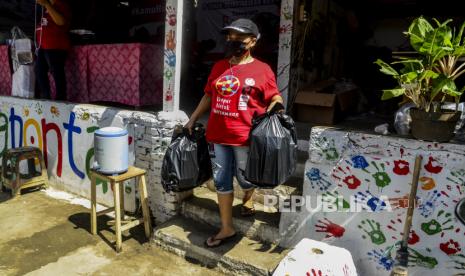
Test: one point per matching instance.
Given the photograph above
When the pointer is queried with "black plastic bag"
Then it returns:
(186, 163)
(273, 150)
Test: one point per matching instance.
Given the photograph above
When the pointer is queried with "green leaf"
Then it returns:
(428, 74)
(409, 77)
(445, 85)
(458, 37)
(459, 51)
(417, 32)
(451, 90)
(391, 93)
(437, 43)
(410, 65)
(386, 68)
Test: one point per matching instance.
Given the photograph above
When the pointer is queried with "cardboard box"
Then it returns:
(322, 108)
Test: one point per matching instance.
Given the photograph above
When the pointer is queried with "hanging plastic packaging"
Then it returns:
(273, 150)
(23, 79)
(186, 163)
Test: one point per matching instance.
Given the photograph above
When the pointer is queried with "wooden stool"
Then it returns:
(11, 177)
(117, 186)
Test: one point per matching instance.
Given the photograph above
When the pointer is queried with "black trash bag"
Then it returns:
(186, 163)
(273, 150)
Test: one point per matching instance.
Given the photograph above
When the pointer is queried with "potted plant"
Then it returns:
(428, 78)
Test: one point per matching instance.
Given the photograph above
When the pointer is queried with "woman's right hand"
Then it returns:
(190, 125)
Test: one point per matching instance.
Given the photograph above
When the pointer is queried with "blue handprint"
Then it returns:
(369, 200)
(382, 259)
(427, 208)
(358, 162)
(170, 58)
(316, 179)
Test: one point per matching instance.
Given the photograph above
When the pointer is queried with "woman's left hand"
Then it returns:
(276, 99)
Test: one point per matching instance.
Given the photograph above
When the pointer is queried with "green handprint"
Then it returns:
(328, 148)
(381, 178)
(433, 226)
(459, 261)
(417, 259)
(374, 231)
(338, 199)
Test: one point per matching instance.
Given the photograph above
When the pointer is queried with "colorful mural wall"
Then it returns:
(64, 133)
(369, 178)
(285, 46)
(169, 71)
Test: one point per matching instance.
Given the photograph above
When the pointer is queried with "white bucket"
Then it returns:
(111, 150)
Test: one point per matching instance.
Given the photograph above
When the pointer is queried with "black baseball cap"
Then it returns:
(243, 25)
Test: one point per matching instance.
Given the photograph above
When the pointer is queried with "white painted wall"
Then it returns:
(370, 168)
(149, 135)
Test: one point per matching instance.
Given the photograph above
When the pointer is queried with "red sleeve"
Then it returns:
(270, 88)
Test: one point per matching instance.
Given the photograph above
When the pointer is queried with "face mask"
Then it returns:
(235, 48)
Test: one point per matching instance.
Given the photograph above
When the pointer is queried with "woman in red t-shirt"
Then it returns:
(53, 44)
(238, 88)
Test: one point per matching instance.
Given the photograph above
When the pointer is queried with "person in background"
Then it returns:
(53, 43)
(238, 88)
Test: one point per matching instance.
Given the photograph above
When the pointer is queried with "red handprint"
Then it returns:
(169, 94)
(345, 270)
(332, 229)
(401, 167)
(285, 28)
(315, 272)
(451, 247)
(171, 15)
(413, 238)
(433, 166)
(350, 180)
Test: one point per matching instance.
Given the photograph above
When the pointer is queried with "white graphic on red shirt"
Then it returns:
(249, 81)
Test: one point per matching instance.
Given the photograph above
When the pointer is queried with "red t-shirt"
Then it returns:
(237, 93)
(53, 35)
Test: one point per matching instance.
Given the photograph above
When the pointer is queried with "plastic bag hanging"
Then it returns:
(273, 150)
(21, 48)
(186, 163)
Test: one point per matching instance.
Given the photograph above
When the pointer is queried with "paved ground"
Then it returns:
(43, 235)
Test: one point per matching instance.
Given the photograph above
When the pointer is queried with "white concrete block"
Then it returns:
(157, 156)
(139, 131)
(146, 158)
(142, 164)
(312, 257)
(141, 151)
(154, 131)
(143, 144)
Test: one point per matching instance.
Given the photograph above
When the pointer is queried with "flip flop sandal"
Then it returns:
(221, 241)
(247, 211)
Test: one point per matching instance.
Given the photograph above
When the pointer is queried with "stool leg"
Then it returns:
(145, 207)
(121, 195)
(43, 169)
(93, 205)
(117, 214)
(16, 190)
(31, 167)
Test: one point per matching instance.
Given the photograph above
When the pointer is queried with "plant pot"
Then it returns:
(434, 126)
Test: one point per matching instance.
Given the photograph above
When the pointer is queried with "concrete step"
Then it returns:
(241, 256)
(282, 192)
(203, 207)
